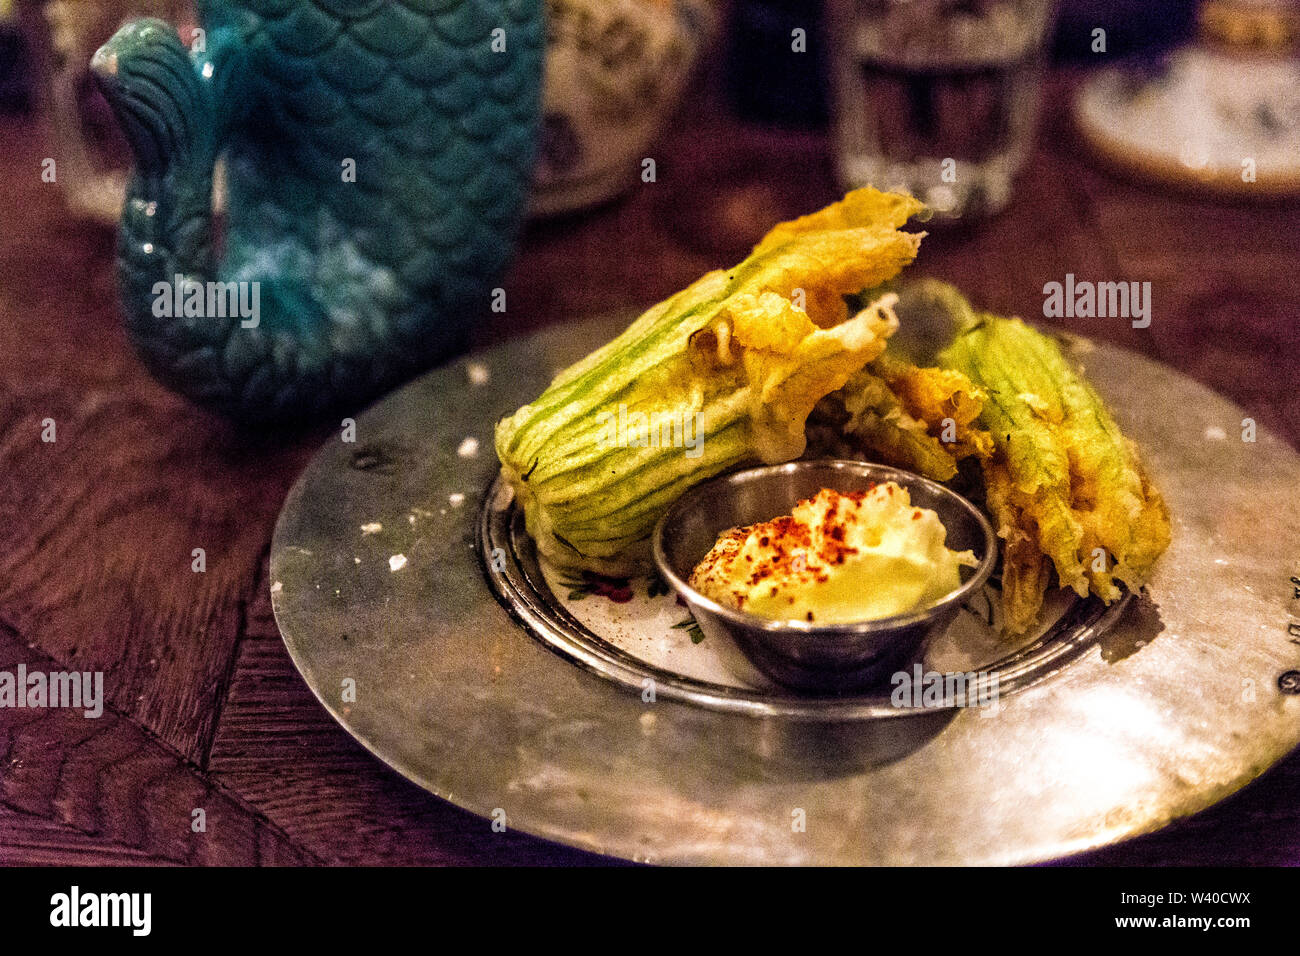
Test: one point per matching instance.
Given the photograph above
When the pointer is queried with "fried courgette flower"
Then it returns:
(1066, 490)
(1063, 484)
(892, 411)
(723, 373)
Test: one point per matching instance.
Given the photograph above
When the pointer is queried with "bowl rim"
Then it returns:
(769, 625)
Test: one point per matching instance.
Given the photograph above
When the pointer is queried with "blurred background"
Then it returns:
(756, 110)
(1005, 116)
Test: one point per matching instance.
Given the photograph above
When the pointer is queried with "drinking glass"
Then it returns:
(937, 97)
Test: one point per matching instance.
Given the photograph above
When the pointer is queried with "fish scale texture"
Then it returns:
(378, 156)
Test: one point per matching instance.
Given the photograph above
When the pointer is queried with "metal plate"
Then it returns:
(377, 585)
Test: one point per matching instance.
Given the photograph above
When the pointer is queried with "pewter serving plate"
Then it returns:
(585, 712)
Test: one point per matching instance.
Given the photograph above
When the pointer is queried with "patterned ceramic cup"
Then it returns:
(614, 72)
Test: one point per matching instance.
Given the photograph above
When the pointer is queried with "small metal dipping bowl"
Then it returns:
(805, 656)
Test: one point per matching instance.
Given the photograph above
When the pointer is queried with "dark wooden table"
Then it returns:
(204, 706)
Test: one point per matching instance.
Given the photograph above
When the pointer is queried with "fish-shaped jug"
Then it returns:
(377, 154)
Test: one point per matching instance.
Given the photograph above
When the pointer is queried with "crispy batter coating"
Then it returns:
(735, 363)
(922, 419)
(1067, 491)
(1062, 477)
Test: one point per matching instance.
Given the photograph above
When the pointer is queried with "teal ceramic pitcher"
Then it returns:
(378, 154)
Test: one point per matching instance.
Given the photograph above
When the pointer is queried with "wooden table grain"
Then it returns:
(204, 709)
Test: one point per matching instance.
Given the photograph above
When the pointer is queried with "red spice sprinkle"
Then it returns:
(787, 540)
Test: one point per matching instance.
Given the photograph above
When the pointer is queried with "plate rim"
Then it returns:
(522, 590)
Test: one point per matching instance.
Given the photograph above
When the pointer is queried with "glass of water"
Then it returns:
(937, 97)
